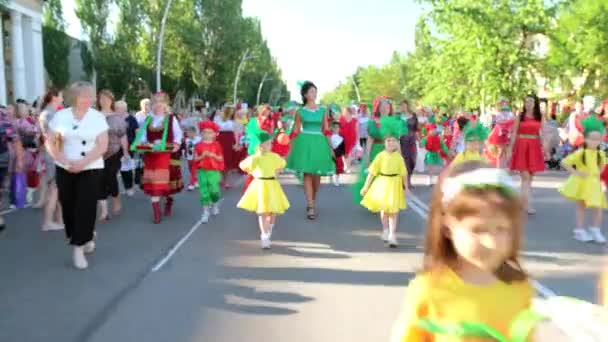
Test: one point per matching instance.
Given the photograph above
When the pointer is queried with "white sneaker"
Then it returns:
(52, 226)
(196, 186)
(265, 242)
(596, 235)
(385, 235)
(336, 180)
(582, 235)
(392, 241)
(215, 209)
(205, 217)
(89, 247)
(131, 192)
(80, 262)
(190, 187)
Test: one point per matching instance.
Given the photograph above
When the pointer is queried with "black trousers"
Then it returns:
(127, 179)
(109, 183)
(78, 203)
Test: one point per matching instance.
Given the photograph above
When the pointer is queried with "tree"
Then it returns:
(56, 44)
(93, 15)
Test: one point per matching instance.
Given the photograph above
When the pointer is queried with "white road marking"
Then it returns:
(413, 199)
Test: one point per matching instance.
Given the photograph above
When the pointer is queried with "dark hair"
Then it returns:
(305, 88)
(48, 97)
(538, 116)
(462, 121)
(599, 160)
(107, 93)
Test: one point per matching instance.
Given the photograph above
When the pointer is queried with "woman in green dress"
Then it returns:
(311, 153)
(382, 110)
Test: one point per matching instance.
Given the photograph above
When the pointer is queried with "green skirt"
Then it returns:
(310, 154)
(432, 158)
(360, 183)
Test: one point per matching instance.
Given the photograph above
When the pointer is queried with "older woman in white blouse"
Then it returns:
(228, 139)
(77, 139)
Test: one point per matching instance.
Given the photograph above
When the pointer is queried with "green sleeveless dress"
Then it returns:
(373, 130)
(310, 151)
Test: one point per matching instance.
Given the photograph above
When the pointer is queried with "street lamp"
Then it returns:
(356, 88)
(161, 37)
(264, 79)
(246, 56)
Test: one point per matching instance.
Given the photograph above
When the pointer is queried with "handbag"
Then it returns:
(18, 190)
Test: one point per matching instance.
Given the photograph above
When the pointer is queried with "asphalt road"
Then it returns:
(331, 280)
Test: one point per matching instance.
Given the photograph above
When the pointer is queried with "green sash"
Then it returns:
(140, 133)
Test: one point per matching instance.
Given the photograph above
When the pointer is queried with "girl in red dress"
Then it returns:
(526, 152)
(349, 130)
(230, 142)
(160, 140)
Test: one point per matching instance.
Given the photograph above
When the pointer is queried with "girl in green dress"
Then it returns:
(383, 110)
(311, 153)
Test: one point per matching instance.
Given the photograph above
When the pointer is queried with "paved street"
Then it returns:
(331, 280)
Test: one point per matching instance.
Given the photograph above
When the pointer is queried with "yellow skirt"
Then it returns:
(264, 197)
(587, 189)
(385, 194)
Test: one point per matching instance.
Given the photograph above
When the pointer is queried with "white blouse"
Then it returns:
(157, 122)
(78, 136)
(224, 125)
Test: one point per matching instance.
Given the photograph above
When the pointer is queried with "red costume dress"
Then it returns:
(527, 154)
(208, 163)
(348, 131)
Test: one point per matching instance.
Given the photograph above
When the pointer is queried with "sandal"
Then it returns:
(310, 213)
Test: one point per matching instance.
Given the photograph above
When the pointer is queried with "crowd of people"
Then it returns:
(475, 224)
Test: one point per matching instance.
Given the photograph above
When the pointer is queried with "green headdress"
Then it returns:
(475, 132)
(592, 124)
(263, 136)
(432, 119)
(391, 126)
(334, 108)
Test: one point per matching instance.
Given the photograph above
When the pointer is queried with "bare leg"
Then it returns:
(263, 222)
(103, 210)
(597, 217)
(526, 185)
(43, 195)
(384, 220)
(116, 205)
(580, 215)
(49, 212)
(316, 185)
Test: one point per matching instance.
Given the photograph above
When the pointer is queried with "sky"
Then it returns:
(324, 40)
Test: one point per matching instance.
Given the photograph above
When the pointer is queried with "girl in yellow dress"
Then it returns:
(264, 195)
(388, 178)
(471, 262)
(584, 185)
(474, 135)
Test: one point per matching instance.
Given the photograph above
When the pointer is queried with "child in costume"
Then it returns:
(447, 138)
(281, 143)
(192, 139)
(473, 239)
(388, 179)
(434, 146)
(338, 146)
(264, 195)
(474, 134)
(584, 184)
(501, 134)
(210, 163)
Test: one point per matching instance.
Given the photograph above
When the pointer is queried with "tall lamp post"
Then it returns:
(246, 56)
(356, 88)
(161, 37)
(264, 79)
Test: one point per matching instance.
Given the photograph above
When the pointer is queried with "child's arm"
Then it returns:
(569, 161)
(368, 182)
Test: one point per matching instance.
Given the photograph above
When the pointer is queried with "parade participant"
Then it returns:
(526, 151)
(311, 152)
(128, 164)
(77, 140)
(227, 138)
(117, 149)
(29, 135)
(338, 146)
(209, 159)
(382, 112)
(192, 139)
(433, 144)
(9, 141)
(447, 137)
(261, 122)
(349, 130)
(474, 135)
(474, 236)
(501, 133)
(408, 140)
(383, 191)
(51, 212)
(159, 139)
(574, 127)
(144, 111)
(281, 143)
(584, 185)
(264, 196)
(363, 118)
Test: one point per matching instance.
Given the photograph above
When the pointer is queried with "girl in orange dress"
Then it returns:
(526, 149)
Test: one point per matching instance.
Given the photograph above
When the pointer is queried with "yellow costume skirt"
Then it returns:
(264, 196)
(386, 195)
(587, 189)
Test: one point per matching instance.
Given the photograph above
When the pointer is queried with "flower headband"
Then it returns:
(479, 178)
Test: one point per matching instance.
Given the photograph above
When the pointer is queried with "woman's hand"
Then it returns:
(76, 166)
(175, 148)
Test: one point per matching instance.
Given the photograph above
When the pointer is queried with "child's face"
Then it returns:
(483, 240)
(335, 129)
(473, 146)
(265, 146)
(593, 140)
(391, 144)
(191, 133)
(208, 135)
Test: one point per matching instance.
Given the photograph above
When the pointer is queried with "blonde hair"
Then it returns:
(77, 89)
(121, 104)
(142, 104)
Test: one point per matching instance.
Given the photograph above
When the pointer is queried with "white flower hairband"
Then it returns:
(479, 178)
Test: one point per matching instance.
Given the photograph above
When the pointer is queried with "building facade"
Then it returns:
(22, 75)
